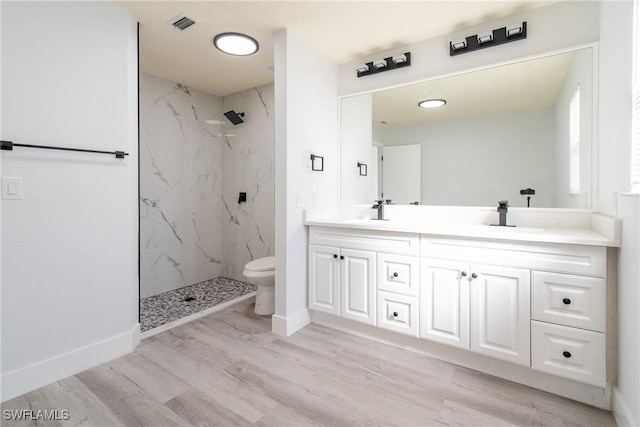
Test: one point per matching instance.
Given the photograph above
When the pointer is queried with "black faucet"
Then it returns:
(503, 206)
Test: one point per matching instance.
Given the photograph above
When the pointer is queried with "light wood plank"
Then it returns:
(130, 404)
(228, 369)
(199, 409)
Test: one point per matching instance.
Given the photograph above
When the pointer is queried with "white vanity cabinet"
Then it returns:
(477, 307)
(343, 276)
(535, 304)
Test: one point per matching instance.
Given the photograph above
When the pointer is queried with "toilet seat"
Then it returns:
(261, 264)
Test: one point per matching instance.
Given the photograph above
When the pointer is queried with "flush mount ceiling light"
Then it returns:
(236, 44)
(432, 103)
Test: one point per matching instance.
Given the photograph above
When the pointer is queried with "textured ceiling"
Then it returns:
(341, 30)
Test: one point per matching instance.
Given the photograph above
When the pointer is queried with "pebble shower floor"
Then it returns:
(167, 307)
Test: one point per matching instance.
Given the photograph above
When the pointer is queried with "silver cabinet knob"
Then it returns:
(463, 274)
(474, 276)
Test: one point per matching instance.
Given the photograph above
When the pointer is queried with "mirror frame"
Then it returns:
(594, 120)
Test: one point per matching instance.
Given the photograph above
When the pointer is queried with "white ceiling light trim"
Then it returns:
(236, 44)
(432, 103)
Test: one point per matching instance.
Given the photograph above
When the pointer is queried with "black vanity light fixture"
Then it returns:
(237, 44)
(384, 64)
(362, 169)
(488, 39)
(317, 163)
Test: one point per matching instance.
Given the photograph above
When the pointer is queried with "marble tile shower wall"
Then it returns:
(191, 226)
(249, 230)
(180, 187)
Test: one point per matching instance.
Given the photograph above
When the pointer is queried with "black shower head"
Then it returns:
(235, 118)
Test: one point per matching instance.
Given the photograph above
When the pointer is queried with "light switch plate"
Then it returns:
(11, 188)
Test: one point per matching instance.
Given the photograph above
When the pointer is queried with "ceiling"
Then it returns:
(521, 86)
(341, 30)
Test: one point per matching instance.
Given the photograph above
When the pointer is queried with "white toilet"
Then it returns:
(262, 273)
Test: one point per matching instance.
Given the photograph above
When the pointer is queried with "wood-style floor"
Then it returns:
(227, 369)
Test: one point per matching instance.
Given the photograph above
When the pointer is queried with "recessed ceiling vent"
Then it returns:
(182, 22)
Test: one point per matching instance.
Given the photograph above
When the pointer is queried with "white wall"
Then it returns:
(478, 161)
(180, 186)
(248, 166)
(306, 123)
(69, 266)
(615, 65)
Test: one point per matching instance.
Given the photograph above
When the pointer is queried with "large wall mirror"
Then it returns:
(503, 132)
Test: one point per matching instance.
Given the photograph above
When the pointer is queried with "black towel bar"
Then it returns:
(8, 145)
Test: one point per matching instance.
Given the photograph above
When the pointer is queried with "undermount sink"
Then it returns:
(516, 229)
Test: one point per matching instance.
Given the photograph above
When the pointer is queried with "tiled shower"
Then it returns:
(192, 168)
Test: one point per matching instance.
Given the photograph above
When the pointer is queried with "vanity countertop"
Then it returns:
(546, 234)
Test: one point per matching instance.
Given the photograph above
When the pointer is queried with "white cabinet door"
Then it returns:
(500, 312)
(324, 279)
(358, 279)
(444, 302)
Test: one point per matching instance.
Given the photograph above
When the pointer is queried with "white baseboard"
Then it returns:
(621, 411)
(287, 326)
(32, 377)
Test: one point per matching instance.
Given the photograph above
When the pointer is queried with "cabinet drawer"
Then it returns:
(398, 273)
(398, 313)
(568, 352)
(368, 240)
(559, 258)
(568, 300)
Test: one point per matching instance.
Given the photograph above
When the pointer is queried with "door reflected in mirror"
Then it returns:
(502, 130)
